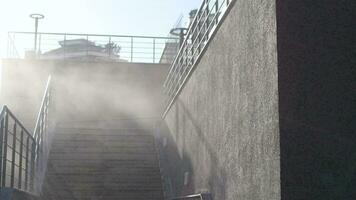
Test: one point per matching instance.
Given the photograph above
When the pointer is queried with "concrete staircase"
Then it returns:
(95, 164)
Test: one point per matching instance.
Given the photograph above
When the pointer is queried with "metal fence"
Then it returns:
(208, 17)
(17, 153)
(69, 46)
(23, 155)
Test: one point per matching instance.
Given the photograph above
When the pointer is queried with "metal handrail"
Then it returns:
(41, 136)
(201, 30)
(201, 196)
(112, 48)
(29, 151)
(93, 35)
(42, 114)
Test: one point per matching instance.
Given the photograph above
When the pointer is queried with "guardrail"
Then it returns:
(24, 154)
(92, 47)
(202, 196)
(207, 19)
(17, 153)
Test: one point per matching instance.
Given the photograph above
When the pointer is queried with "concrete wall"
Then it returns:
(83, 91)
(224, 124)
(317, 59)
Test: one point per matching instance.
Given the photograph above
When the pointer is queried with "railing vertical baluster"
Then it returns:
(3, 184)
(32, 172)
(110, 48)
(154, 50)
(217, 12)
(131, 49)
(8, 46)
(2, 145)
(64, 46)
(20, 165)
(13, 161)
(27, 162)
(207, 20)
(87, 46)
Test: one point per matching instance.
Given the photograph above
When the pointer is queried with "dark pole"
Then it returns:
(36, 17)
(36, 28)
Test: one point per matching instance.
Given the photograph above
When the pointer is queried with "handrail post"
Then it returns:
(131, 49)
(109, 47)
(1, 147)
(13, 159)
(32, 172)
(154, 50)
(21, 158)
(8, 45)
(216, 12)
(27, 162)
(64, 46)
(87, 47)
(3, 180)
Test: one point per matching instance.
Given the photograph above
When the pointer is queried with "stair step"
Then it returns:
(88, 164)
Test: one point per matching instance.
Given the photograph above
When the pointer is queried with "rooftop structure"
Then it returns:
(82, 49)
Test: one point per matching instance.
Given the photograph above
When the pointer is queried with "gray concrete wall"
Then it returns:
(84, 92)
(224, 124)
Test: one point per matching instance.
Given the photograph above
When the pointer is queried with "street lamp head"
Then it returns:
(178, 31)
(37, 16)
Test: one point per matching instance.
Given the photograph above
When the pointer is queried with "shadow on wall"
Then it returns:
(317, 163)
(316, 72)
(183, 151)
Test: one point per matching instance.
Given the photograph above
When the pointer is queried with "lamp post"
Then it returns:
(36, 17)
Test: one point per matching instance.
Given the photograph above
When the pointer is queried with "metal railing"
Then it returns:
(42, 136)
(207, 19)
(71, 46)
(23, 155)
(17, 153)
(202, 196)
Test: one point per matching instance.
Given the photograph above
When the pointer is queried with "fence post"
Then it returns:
(216, 12)
(2, 146)
(110, 47)
(32, 172)
(20, 164)
(8, 46)
(131, 49)
(3, 180)
(87, 46)
(154, 50)
(64, 46)
(26, 161)
(13, 160)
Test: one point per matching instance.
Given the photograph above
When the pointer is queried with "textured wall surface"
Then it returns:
(317, 59)
(225, 121)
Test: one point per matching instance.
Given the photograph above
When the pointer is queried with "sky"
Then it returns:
(117, 17)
